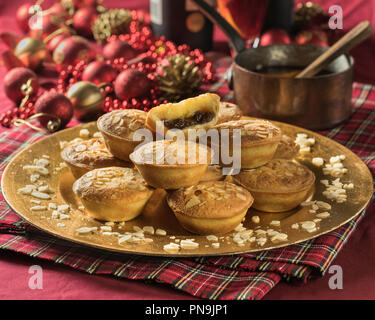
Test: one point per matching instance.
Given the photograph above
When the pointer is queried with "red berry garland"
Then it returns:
(152, 50)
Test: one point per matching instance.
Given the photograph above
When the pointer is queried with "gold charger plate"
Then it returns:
(157, 213)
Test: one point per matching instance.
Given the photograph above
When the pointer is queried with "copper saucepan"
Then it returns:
(319, 102)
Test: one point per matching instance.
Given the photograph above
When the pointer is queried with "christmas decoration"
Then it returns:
(111, 22)
(10, 60)
(85, 3)
(309, 13)
(119, 49)
(83, 19)
(86, 99)
(131, 61)
(20, 82)
(99, 72)
(274, 36)
(72, 50)
(54, 39)
(178, 77)
(24, 12)
(49, 24)
(131, 83)
(31, 52)
(61, 9)
(10, 39)
(54, 105)
(314, 36)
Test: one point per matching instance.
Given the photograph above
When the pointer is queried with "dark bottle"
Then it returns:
(181, 22)
(279, 15)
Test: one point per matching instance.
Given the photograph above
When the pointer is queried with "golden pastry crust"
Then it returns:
(259, 140)
(170, 153)
(122, 123)
(228, 112)
(210, 207)
(113, 194)
(111, 183)
(87, 155)
(200, 112)
(278, 186)
(253, 131)
(278, 175)
(213, 173)
(213, 199)
(118, 128)
(287, 148)
(171, 165)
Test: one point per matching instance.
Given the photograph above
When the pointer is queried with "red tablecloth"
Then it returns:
(64, 283)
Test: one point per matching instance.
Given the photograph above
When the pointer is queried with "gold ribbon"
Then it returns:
(52, 125)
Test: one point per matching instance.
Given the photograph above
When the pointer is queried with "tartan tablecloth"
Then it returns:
(245, 276)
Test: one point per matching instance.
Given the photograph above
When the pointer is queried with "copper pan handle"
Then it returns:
(235, 39)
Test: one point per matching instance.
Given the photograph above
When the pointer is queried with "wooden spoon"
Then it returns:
(354, 37)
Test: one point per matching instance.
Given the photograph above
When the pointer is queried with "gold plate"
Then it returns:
(157, 213)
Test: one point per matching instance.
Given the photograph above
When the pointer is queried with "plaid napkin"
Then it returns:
(245, 276)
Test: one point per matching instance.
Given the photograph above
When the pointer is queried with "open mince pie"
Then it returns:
(214, 207)
(228, 112)
(259, 140)
(200, 112)
(88, 155)
(118, 128)
(171, 165)
(113, 194)
(278, 186)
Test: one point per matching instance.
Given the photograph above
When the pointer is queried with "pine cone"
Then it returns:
(180, 78)
(111, 22)
(306, 13)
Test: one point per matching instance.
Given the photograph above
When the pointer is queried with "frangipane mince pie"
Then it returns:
(87, 155)
(167, 164)
(113, 194)
(228, 112)
(287, 148)
(118, 128)
(259, 140)
(214, 207)
(278, 186)
(213, 173)
(200, 112)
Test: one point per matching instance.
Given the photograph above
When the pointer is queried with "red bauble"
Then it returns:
(58, 9)
(10, 39)
(10, 61)
(56, 104)
(85, 3)
(98, 72)
(131, 83)
(55, 41)
(50, 23)
(14, 80)
(22, 16)
(119, 49)
(312, 36)
(274, 36)
(72, 50)
(83, 20)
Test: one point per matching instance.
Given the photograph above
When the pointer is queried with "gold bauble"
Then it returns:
(87, 100)
(31, 52)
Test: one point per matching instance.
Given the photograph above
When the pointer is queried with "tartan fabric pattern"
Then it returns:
(245, 276)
